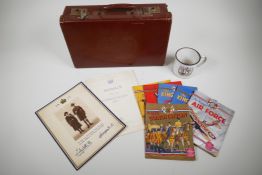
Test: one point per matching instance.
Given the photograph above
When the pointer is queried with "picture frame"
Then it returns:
(80, 124)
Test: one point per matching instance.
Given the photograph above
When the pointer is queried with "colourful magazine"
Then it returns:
(169, 132)
(212, 120)
(151, 91)
(166, 92)
(182, 94)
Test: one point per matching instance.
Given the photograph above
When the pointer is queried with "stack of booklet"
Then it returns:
(176, 117)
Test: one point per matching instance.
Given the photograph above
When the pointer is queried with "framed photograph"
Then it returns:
(80, 124)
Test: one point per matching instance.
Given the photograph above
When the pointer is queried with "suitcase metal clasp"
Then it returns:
(150, 11)
(80, 12)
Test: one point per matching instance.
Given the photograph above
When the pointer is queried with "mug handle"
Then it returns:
(202, 61)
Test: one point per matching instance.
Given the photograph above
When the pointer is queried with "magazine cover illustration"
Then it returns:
(182, 94)
(165, 93)
(212, 120)
(169, 132)
(151, 91)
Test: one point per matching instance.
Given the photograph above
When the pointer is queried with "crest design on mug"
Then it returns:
(185, 71)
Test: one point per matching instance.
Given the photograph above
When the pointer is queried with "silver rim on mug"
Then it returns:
(199, 56)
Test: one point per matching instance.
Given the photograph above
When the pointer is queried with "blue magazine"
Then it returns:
(183, 94)
(165, 93)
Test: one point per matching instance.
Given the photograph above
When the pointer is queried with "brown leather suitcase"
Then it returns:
(117, 34)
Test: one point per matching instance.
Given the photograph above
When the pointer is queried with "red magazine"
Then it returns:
(151, 93)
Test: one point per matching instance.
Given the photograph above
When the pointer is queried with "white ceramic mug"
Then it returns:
(186, 60)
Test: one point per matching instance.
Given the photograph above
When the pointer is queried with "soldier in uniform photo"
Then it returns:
(81, 114)
(73, 122)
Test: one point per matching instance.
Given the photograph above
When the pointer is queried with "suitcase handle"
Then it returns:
(119, 6)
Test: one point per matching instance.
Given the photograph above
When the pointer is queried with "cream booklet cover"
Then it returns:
(80, 123)
(115, 91)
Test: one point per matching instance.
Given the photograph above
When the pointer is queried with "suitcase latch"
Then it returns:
(150, 11)
(80, 12)
(145, 11)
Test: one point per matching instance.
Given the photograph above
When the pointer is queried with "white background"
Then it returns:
(35, 67)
